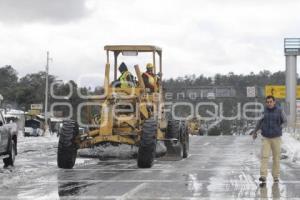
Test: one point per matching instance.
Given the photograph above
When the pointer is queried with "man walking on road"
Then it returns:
(271, 130)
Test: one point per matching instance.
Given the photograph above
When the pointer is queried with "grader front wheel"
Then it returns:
(146, 152)
(67, 149)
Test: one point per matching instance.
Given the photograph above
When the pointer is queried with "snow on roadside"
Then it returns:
(291, 146)
(36, 156)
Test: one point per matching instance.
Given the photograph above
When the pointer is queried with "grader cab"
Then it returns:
(129, 115)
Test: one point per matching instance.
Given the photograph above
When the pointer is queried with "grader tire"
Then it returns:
(185, 141)
(12, 153)
(174, 149)
(67, 149)
(147, 147)
(173, 129)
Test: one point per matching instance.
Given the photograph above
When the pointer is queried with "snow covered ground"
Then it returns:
(33, 153)
(291, 147)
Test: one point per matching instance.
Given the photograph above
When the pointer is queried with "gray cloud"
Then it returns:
(53, 11)
(197, 37)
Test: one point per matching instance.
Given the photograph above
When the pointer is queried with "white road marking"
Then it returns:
(203, 154)
(130, 193)
(168, 170)
(179, 198)
(151, 181)
(225, 168)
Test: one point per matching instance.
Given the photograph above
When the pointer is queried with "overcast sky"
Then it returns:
(197, 36)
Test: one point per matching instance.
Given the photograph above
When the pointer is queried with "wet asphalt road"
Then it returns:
(225, 167)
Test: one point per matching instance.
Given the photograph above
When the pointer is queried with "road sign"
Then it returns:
(278, 91)
(36, 106)
(298, 112)
(34, 112)
(251, 92)
(298, 107)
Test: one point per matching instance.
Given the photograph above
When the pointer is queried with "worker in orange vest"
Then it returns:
(150, 79)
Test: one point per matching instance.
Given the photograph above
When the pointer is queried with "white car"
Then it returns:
(29, 131)
(211, 95)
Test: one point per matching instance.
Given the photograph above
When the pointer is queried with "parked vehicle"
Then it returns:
(33, 127)
(8, 141)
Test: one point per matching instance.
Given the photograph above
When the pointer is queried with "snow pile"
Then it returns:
(121, 151)
(291, 146)
(109, 151)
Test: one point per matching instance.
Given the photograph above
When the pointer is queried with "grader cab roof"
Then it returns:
(138, 48)
(133, 50)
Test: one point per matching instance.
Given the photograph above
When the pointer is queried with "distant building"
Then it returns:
(201, 93)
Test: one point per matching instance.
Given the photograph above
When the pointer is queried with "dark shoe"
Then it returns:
(262, 184)
(262, 179)
(276, 180)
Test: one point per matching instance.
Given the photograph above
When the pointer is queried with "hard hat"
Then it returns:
(149, 65)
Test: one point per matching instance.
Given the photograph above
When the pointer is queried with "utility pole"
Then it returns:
(291, 51)
(46, 93)
(1, 99)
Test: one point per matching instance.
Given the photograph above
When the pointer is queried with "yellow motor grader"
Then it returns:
(131, 115)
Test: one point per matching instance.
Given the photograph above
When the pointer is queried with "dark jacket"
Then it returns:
(271, 123)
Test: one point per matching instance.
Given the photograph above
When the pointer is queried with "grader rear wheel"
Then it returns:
(174, 148)
(184, 140)
(173, 129)
(146, 152)
(177, 130)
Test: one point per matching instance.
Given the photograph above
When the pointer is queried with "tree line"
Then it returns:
(21, 92)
